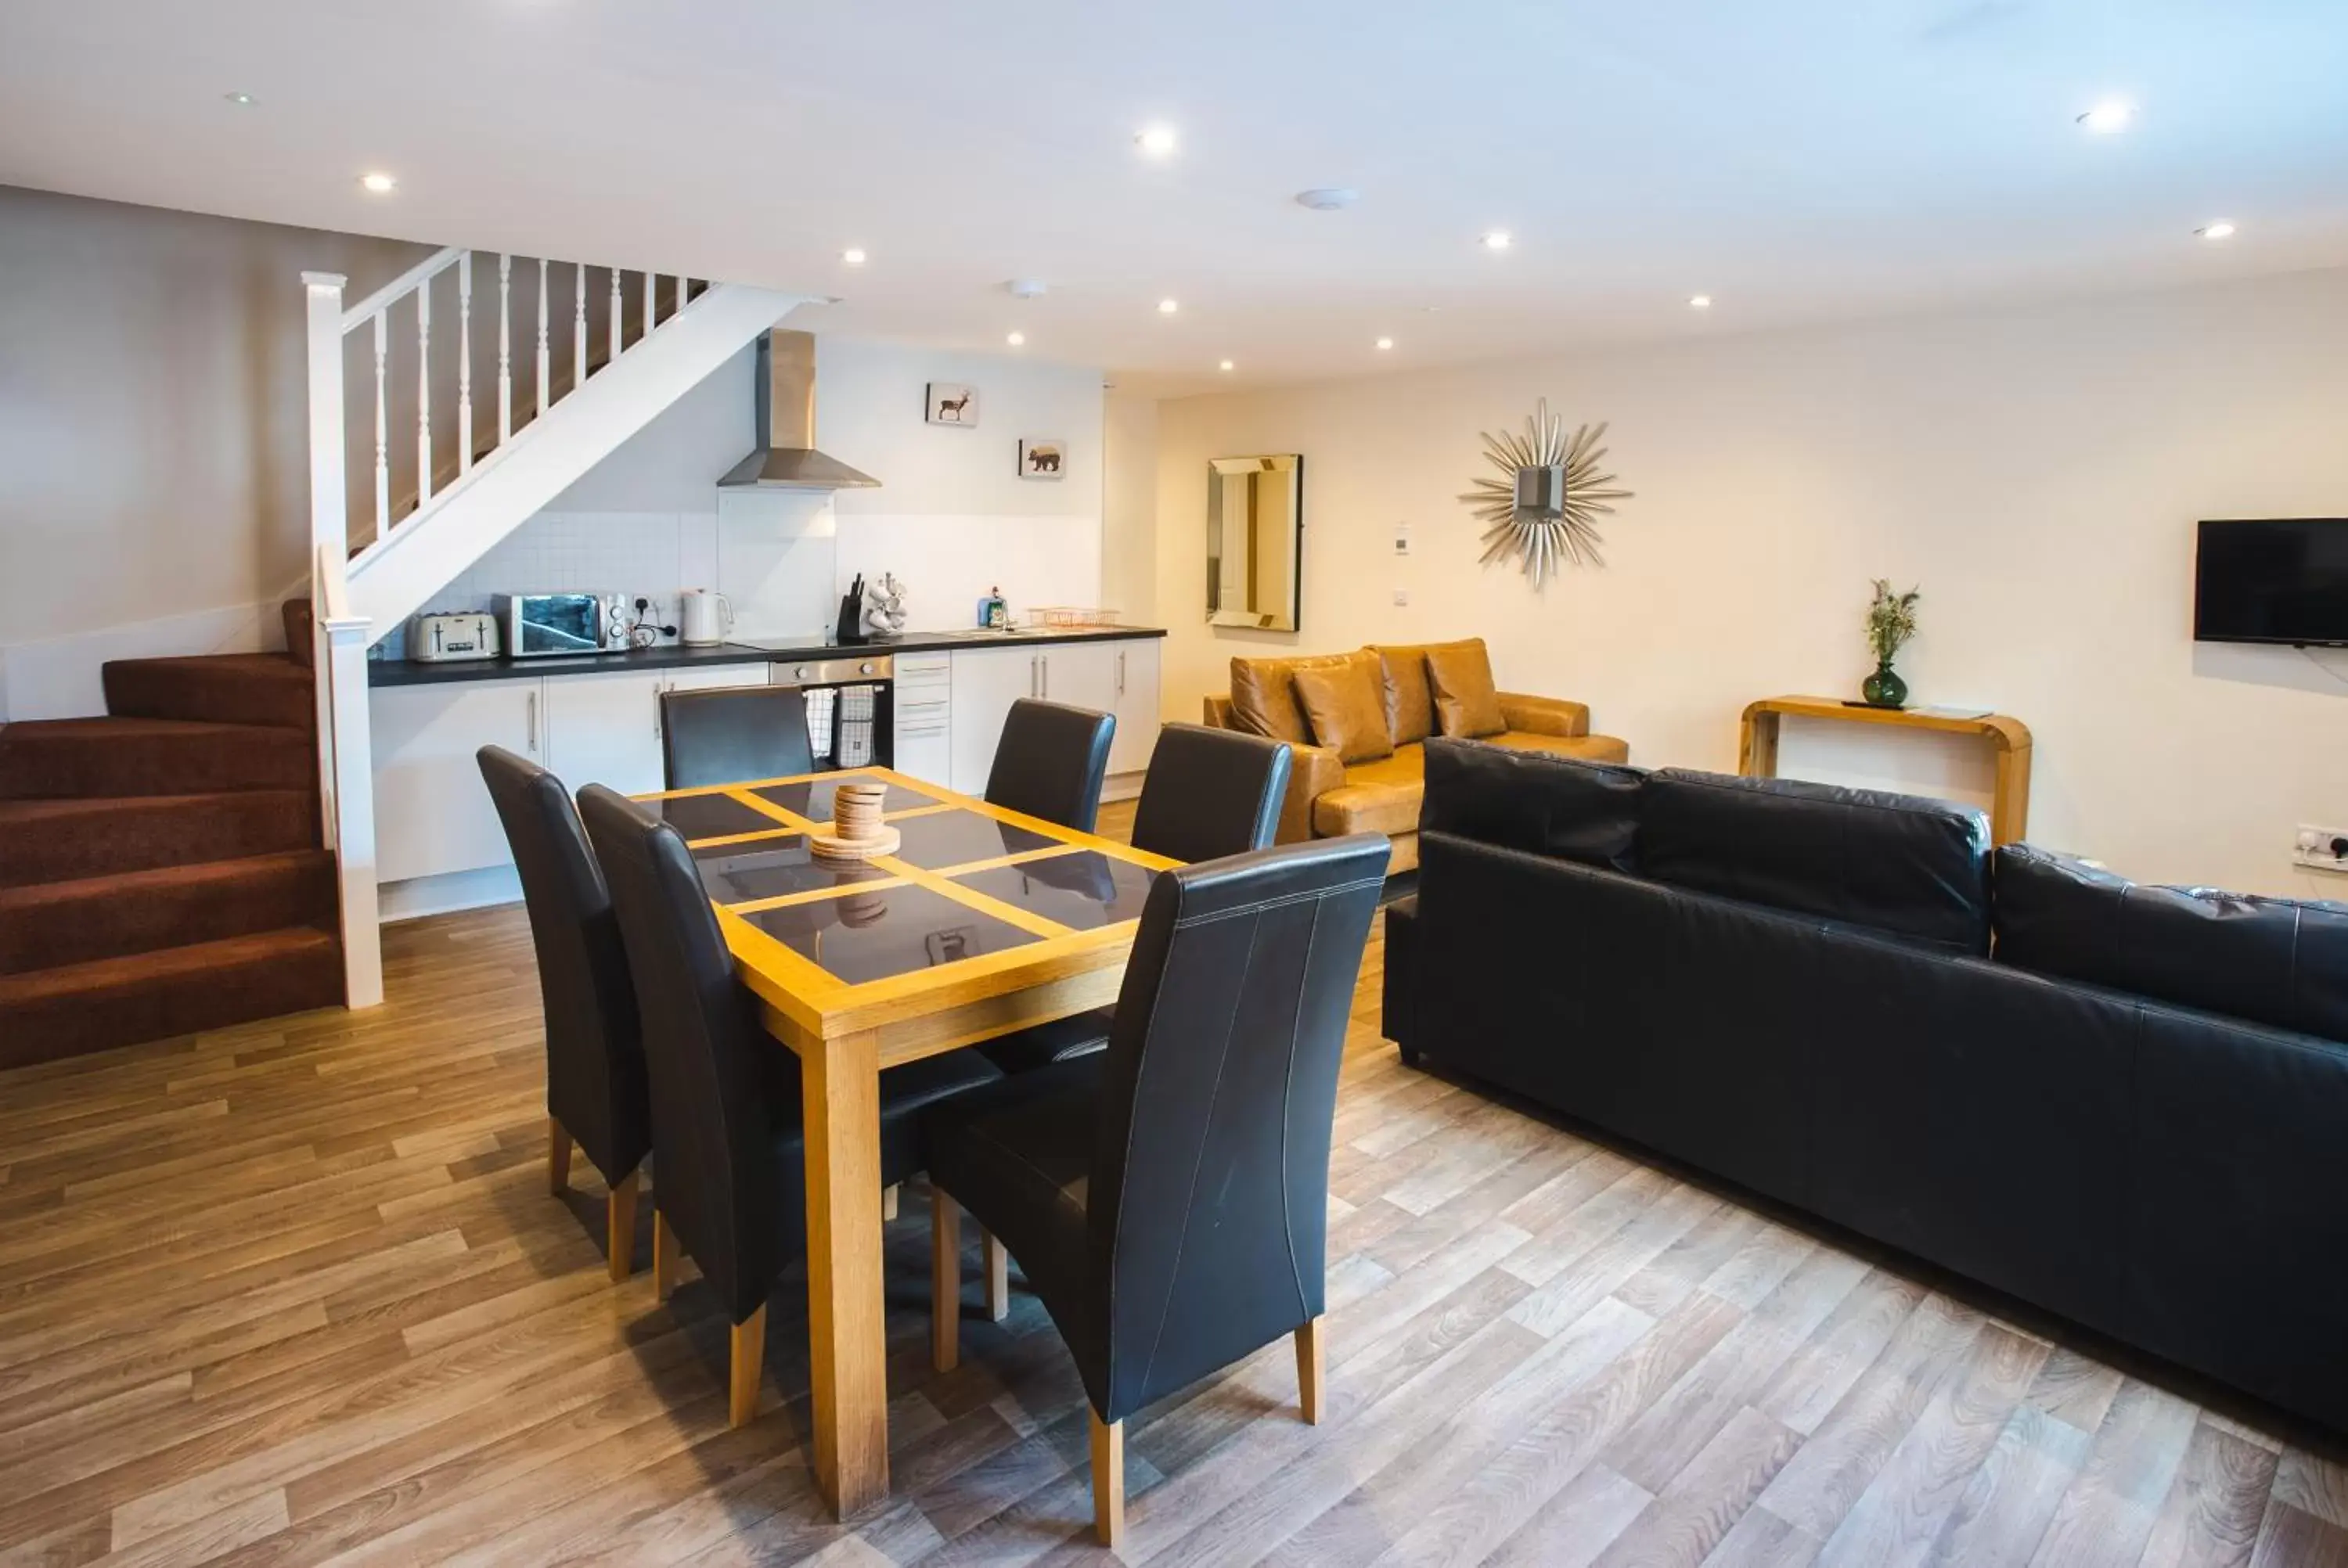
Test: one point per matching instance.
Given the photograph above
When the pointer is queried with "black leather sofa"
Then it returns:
(2125, 1104)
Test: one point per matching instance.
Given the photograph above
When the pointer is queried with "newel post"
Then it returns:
(338, 656)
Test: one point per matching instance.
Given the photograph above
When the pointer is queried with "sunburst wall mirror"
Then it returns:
(1544, 510)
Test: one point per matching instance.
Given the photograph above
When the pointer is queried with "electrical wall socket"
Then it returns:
(2324, 848)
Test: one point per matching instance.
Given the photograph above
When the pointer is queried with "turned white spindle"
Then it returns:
(579, 331)
(505, 349)
(545, 361)
(651, 280)
(382, 424)
(464, 363)
(615, 315)
(424, 392)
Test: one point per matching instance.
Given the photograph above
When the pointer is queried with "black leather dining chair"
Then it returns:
(732, 734)
(725, 1129)
(1051, 761)
(1207, 794)
(595, 1088)
(1223, 1059)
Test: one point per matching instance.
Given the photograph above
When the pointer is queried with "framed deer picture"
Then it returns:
(1040, 460)
(949, 403)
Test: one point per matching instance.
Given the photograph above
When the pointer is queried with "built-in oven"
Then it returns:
(850, 707)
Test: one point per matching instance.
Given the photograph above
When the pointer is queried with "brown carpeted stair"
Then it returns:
(160, 868)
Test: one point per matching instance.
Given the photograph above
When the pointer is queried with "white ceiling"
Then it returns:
(1798, 159)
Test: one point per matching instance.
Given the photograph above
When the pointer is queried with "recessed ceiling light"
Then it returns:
(2111, 115)
(1168, 307)
(853, 256)
(1699, 301)
(1155, 141)
(1226, 365)
(241, 100)
(379, 184)
(1015, 339)
(1328, 198)
(1496, 240)
(2220, 229)
(1385, 342)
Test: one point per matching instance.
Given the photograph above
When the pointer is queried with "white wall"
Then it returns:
(2038, 472)
(154, 480)
(951, 516)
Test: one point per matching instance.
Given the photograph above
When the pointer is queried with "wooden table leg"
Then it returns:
(2009, 812)
(847, 1339)
(1756, 750)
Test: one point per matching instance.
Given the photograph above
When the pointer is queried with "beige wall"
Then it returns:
(152, 409)
(2037, 471)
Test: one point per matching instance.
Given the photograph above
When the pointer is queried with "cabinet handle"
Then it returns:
(533, 723)
(1120, 671)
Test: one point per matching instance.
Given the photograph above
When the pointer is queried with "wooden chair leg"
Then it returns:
(888, 1204)
(666, 1256)
(558, 1158)
(1310, 1362)
(749, 1356)
(945, 1280)
(620, 1226)
(1108, 1480)
(998, 1276)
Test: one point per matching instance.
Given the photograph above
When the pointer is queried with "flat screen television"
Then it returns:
(2280, 580)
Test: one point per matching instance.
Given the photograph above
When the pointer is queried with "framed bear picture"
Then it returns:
(1040, 458)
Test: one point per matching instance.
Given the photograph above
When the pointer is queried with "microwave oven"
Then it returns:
(542, 625)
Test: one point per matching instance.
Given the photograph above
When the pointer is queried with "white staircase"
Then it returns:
(601, 351)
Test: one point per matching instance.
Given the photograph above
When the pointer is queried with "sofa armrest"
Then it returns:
(1544, 715)
(1218, 712)
(1312, 771)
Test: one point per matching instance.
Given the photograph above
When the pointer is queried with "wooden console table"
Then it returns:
(2009, 812)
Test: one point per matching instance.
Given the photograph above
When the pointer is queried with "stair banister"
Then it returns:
(346, 757)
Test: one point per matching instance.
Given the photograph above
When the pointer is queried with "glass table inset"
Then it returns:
(1082, 890)
(740, 871)
(897, 929)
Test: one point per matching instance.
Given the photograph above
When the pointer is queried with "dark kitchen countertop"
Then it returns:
(677, 656)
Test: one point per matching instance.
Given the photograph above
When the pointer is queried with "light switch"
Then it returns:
(1402, 596)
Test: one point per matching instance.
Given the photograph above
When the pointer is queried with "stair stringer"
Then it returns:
(398, 575)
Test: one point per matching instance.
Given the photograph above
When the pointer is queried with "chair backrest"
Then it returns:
(1051, 761)
(734, 734)
(1209, 1213)
(712, 1098)
(1210, 793)
(594, 1050)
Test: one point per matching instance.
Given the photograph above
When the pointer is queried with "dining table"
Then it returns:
(980, 922)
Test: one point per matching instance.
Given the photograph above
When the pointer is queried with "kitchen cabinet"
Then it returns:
(986, 682)
(1114, 676)
(1135, 704)
(432, 813)
(924, 705)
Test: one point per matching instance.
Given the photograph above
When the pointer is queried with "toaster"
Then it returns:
(433, 637)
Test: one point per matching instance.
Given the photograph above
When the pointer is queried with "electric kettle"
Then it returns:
(706, 616)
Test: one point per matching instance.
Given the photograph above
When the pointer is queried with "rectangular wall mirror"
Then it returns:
(1255, 540)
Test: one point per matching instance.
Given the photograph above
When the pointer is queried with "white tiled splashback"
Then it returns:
(785, 572)
(653, 554)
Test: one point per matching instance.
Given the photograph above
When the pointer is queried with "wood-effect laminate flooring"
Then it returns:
(295, 1292)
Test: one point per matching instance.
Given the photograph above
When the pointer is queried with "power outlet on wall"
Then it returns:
(2324, 848)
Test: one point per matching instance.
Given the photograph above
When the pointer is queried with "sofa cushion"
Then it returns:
(2277, 961)
(1588, 748)
(1345, 703)
(1264, 696)
(1466, 703)
(1906, 866)
(1534, 801)
(1410, 699)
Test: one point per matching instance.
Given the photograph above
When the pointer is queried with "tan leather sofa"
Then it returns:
(1328, 796)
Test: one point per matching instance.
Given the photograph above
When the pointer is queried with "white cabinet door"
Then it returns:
(606, 729)
(432, 812)
(924, 699)
(986, 682)
(1081, 674)
(1136, 705)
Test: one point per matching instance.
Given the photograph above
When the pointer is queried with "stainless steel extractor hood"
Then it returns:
(786, 458)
